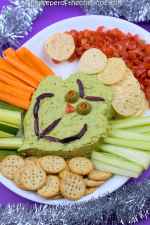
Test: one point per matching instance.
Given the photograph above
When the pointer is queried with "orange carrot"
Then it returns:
(10, 80)
(15, 91)
(16, 101)
(31, 59)
(5, 66)
(11, 57)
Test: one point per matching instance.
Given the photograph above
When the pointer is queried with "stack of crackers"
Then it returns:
(52, 177)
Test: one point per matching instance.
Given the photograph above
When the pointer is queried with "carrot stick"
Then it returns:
(5, 66)
(10, 80)
(11, 57)
(15, 91)
(31, 59)
(16, 101)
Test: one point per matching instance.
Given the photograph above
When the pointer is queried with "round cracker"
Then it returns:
(114, 72)
(80, 165)
(52, 164)
(93, 183)
(60, 46)
(90, 191)
(10, 165)
(51, 188)
(128, 96)
(92, 61)
(17, 178)
(33, 177)
(99, 175)
(73, 187)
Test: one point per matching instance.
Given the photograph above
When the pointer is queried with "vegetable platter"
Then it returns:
(74, 110)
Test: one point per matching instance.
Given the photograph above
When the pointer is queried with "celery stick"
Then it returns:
(5, 135)
(142, 145)
(142, 129)
(10, 143)
(12, 117)
(129, 135)
(140, 157)
(113, 169)
(117, 161)
(131, 122)
(4, 105)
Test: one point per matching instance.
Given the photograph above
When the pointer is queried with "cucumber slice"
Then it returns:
(10, 143)
(8, 128)
(129, 135)
(5, 135)
(115, 170)
(140, 157)
(117, 161)
(4, 153)
(141, 145)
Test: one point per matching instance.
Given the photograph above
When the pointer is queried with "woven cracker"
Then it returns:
(10, 165)
(73, 187)
(80, 165)
(93, 183)
(51, 188)
(33, 177)
(52, 164)
(99, 175)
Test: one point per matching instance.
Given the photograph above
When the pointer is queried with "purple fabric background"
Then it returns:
(49, 16)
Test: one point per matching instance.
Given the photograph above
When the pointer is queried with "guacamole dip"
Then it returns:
(50, 109)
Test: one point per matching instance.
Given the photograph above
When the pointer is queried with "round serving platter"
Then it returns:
(64, 70)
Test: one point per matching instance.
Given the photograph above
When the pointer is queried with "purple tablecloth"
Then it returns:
(51, 15)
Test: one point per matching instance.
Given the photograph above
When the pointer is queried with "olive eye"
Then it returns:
(72, 96)
(84, 108)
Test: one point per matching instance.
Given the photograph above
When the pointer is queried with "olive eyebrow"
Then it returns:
(81, 88)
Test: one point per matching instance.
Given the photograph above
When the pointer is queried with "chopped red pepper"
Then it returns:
(70, 108)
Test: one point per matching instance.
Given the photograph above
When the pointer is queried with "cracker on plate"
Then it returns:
(114, 72)
(99, 175)
(92, 61)
(10, 165)
(51, 188)
(60, 46)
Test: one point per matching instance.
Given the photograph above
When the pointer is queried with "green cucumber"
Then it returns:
(10, 143)
(117, 161)
(8, 128)
(5, 135)
(113, 169)
(140, 157)
(4, 153)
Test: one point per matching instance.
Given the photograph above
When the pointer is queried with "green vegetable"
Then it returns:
(142, 145)
(140, 157)
(4, 153)
(129, 135)
(10, 117)
(4, 105)
(84, 108)
(8, 128)
(72, 96)
(11, 143)
(113, 169)
(5, 135)
(117, 161)
(131, 122)
(141, 129)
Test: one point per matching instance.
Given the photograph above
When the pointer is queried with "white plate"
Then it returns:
(64, 70)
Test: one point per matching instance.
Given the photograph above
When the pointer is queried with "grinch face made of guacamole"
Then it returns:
(67, 117)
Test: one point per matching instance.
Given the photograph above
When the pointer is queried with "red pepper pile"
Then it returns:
(115, 43)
